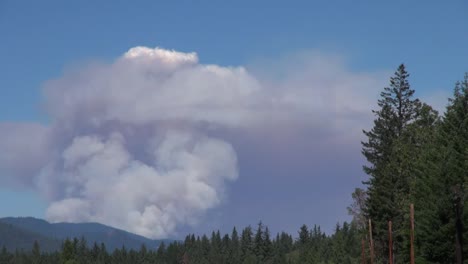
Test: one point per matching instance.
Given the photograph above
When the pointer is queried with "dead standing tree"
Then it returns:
(371, 243)
(390, 243)
(412, 233)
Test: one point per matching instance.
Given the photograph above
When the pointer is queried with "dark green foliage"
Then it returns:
(446, 181)
(416, 157)
(392, 151)
(235, 249)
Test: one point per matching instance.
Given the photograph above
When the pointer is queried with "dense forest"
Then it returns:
(414, 156)
(248, 246)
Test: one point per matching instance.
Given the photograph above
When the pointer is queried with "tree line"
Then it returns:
(249, 246)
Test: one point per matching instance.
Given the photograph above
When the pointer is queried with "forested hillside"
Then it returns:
(21, 232)
(12, 238)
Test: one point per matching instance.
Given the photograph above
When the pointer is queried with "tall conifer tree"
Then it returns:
(389, 166)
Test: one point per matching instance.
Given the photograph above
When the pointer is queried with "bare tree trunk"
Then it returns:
(412, 234)
(390, 243)
(363, 251)
(459, 231)
(371, 243)
(185, 259)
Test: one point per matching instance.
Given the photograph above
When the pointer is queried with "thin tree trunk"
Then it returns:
(459, 231)
(371, 243)
(363, 251)
(412, 234)
(390, 243)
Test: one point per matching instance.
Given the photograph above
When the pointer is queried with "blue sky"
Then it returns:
(40, 39)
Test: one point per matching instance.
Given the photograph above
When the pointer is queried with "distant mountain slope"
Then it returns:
(93, 232)
(13, 238)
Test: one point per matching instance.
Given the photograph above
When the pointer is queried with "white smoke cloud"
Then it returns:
(129, 143)
(147, 85)
(103, 182)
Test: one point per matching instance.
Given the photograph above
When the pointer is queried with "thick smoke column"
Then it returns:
(98, 179)
(131, 144)
(123, 148)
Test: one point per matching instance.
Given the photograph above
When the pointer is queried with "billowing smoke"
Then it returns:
(135, 144)
(99, 179)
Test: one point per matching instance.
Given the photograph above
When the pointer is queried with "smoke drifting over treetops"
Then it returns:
(138, 144)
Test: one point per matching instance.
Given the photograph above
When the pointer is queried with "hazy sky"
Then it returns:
(255, 107)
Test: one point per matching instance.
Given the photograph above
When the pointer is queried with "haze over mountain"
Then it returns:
(21, 232)
(13, 237)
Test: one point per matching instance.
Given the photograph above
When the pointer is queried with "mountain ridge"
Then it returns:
(55, 233)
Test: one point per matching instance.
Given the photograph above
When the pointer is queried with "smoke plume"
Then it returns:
(138, 143)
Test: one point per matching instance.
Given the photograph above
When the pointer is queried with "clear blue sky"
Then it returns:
(41, 38)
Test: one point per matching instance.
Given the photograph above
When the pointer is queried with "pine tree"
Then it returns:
(259, 249)
(267, 245)
(304, 244)
(205, 248)
(389, 163)
(247, 244)
(36, 253)
(225, 248)
(215, 249)
(68, 251)
(160, 253)
(235, 252)
(304, 236)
